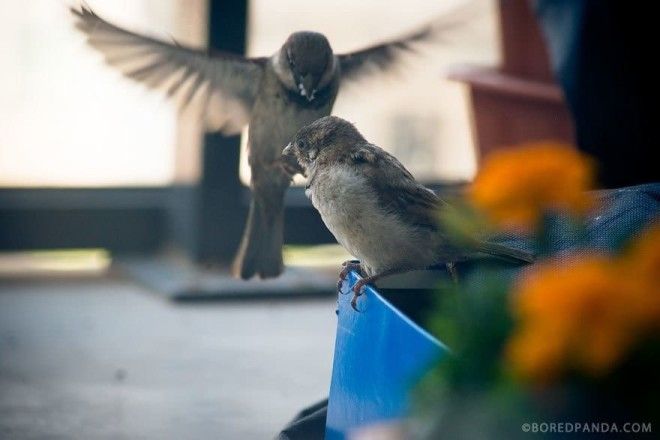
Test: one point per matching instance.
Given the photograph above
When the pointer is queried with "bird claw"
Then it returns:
(358, 287)
(354, 302)
(348, 266)
(357, 292)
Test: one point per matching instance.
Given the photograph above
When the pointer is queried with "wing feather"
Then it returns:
(385, 56)
(230, 82)
(396, 189)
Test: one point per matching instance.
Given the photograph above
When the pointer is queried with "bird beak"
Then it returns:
(306, 87)
(287, 150)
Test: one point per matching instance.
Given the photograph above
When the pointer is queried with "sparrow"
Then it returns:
(275, 95)
(374, 207)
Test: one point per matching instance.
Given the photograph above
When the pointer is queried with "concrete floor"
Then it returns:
(105, 359)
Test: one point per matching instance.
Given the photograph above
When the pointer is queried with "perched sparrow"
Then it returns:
(276, 96)
(373, 206)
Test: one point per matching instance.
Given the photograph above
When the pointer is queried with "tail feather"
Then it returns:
(260, 252)
(506, 252)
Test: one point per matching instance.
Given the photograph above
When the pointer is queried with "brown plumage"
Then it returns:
(276, 96)
(374, 207)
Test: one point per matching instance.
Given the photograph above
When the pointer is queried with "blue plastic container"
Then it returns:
(379, 355)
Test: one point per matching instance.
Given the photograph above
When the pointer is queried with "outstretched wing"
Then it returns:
(224, 85)
(380, 57)
(383, 57)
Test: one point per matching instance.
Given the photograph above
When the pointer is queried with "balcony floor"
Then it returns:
(104, 358)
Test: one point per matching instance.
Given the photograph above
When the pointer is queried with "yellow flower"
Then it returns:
(585, 313)
(516, 186)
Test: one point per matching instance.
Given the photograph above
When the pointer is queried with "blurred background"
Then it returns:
(76, 133)
(118, 213)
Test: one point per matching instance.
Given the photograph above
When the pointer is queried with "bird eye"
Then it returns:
(302, 145)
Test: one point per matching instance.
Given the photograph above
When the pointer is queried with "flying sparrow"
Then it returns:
(374, 207)
(275, 95)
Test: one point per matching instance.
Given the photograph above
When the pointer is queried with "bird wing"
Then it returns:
(227, 83)
(380, 57)
(383, 57)
(396, 189)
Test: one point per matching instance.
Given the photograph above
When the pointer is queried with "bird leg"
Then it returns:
(348, 266)
(360, 284)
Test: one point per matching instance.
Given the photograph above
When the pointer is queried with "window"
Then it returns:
(88, 158)
(70, 121)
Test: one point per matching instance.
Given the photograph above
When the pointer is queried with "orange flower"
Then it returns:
(585, 313)
(516, 186)
(572, 314)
